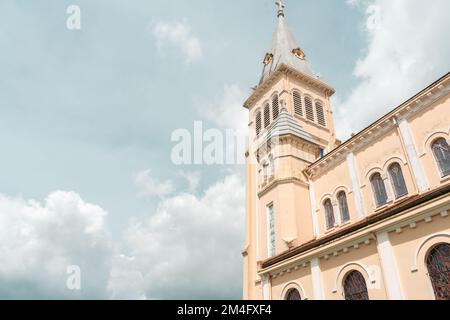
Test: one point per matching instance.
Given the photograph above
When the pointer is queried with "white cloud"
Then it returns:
(39, 241)
(178, 34)
(407, 49)
(148, 186)
(189, 248)
(226, 110)
(192, 178)
(227, 113)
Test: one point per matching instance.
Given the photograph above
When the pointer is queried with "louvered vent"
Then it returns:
(298, 107)
(275, 107)
(309, 109)
(258, 122)
(266, 116)
(320, 114)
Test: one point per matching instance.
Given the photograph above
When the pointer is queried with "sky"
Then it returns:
(87, 118)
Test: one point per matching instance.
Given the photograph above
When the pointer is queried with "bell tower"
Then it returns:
(291, 126)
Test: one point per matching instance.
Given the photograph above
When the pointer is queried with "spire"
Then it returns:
(284, 49)
(281, 7)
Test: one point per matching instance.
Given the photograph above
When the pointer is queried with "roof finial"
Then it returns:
(281, 7)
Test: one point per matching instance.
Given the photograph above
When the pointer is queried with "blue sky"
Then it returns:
(86, 118)
(85, 110)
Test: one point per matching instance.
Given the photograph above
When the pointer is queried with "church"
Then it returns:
(364, 219)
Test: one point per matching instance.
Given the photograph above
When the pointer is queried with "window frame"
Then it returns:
(378, 204)
(397, 194)
(271, 236)
(441, 171)
(275, 98)
(310, 99)
(267, 115)
(330, 219)
(299, 100)
(290, 291)
(319, 104)
(338, 198)
(431, 278)
(363, 280)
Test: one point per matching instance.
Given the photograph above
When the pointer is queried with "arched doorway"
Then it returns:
(293, 294)
(438, 265)
(355, 287)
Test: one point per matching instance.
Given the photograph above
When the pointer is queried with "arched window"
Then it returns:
(309, 109)
(343, 206)
(258, 122)
(266, 115)
(298, 106)
(397, 180)
(320, 114)
(275, 107)
(441, 152)
(438, 265)
(379, 189)
(329, 214)
(293, 294)
(355, 287)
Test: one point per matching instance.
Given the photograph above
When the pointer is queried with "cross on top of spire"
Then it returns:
(281, 7)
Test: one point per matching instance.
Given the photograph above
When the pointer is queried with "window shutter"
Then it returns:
(266, 116)
(343, 206)
(258, 123)
(275, 107)
(397, 180)
(309, 109)
(441, 152)
(329, 214)
(298, 107)
(320, 114)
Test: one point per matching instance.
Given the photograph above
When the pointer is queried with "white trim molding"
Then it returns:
(316, 274)
(389, 265)
(429, 242)
(411, 151)
(294, 285)
(355, 184)
(266, 287)
(371, 275)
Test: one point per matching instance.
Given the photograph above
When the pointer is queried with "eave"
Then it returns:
(415, 104)
(407, 204)
(283, 69)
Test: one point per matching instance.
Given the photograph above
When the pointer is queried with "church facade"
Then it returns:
(364, 219)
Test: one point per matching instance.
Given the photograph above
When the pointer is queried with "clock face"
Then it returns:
(299, 53)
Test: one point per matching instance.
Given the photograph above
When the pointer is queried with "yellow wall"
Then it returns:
(426, 127)
(299, 279)
(415, 243)
(289, 191)
(364, 259)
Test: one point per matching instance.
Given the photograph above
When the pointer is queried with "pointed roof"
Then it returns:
(284, 49)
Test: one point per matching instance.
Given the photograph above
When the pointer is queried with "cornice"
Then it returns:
(408, 109)
(277, 182)
(281, 70)
(366, 235)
